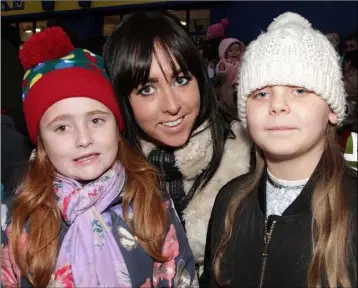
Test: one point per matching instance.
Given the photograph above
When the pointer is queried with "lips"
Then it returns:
(86, 157)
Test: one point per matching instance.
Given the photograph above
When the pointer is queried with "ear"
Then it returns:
(332, 118)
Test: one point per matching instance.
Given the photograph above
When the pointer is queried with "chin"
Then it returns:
(176, 142)
(91, 175)
(281, 154)
(88, 177)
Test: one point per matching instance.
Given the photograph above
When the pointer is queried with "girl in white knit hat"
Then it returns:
(293, 221)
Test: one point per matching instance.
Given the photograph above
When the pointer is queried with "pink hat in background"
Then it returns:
(217, 31)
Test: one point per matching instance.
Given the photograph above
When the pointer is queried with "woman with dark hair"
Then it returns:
(172, 116)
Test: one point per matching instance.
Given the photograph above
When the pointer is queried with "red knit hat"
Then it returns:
(57, 71)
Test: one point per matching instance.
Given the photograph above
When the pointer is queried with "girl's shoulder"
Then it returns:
(227, 192)
(168, 204)
(10, 273)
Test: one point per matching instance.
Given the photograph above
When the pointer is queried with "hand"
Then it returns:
(212, 64)
(222, 66)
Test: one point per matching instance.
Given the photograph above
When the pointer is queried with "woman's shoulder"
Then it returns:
(239, 131)
(237, 151)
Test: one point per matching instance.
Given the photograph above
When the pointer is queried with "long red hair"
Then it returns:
(36, 204)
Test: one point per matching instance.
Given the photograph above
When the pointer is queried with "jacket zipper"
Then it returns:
(267, 239)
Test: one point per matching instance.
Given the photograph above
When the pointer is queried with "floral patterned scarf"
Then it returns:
(89, 255)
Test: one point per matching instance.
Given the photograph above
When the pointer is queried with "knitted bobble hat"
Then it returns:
(292, 53)
(217, 31)
(56, 71)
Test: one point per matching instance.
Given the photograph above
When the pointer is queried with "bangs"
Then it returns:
(142, 62)
(130, 65)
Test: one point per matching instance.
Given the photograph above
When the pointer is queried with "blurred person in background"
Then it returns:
(15, 145)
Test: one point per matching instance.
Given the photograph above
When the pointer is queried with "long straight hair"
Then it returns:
(128, 56)
(35, 207)
(331, 222)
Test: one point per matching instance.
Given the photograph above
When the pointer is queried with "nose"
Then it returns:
(171, 103)
(84, 137)
(278, 105)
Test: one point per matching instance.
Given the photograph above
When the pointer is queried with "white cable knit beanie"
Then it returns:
(292, 53)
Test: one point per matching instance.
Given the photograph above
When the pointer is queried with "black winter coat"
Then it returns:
(288, 251)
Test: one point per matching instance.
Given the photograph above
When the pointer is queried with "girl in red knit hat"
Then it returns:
(88, 212)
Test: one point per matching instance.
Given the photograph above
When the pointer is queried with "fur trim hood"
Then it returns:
(192, 159)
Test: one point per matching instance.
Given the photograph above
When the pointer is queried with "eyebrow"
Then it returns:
(69, 116)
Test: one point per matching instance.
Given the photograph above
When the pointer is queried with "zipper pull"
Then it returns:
(269, 226)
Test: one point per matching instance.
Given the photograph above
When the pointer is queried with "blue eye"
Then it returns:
(146, 90)
(301, 91)
(181, 81)
(261, 95)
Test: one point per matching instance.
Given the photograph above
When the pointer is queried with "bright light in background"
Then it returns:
(30, 31)
(183, 23)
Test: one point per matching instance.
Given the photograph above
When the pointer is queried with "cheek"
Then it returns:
(313, 113)
(255, 115)
(145, 111)
(195, 100)
(106, 136)
(52, 147)
(191, 97)
(57, 154)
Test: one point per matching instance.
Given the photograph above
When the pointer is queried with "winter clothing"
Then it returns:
(190, 161)
(97, 248)
(63, 70)
(11, 80)
(289, 247)
(351, 84)
(281, 193)
(351, 150)
(227, 97)
(231, 66)
(292, 53)
(217, 31)
(15, 151)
